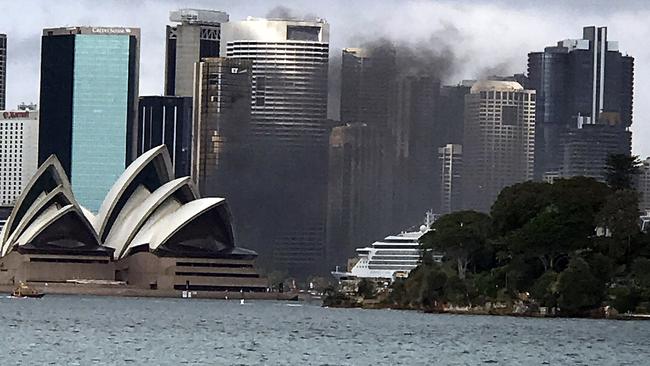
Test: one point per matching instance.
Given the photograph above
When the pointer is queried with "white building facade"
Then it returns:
(451, 163)
(499, 140)
(18, 152)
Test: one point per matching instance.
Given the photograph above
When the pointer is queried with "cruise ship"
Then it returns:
(394, 256)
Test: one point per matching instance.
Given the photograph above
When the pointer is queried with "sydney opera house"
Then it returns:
(152, 231)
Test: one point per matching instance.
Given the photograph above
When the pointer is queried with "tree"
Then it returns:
(545, 289)
(641, 272)
(618, 220)
(366, 288)
(620, 214)
(546, 238)
(432, 289)
(621, 171)
(518, 204)
(459, 235)
(578, 288)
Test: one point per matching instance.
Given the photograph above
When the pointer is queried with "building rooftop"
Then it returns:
(488, 85)
(199, 16)
(91, 30)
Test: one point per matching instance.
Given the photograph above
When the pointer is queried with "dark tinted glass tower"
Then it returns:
(196, 36)
(415, 135)
(3, 71)
(367, 84)
(362, 153)
(89, 96)
(355, 163)
(166, 120)
(450, 113)
(578, 82)
(221, 163)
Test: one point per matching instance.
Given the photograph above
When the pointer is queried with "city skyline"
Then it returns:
(467, 30)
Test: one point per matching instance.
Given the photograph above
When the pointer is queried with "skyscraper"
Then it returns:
(577, 81)
(451, 165)
(416, 135)
(643, 186)
(166, 120)
(499, 142)
(18, 157)
(290, 63)
(585, 149)
(450, 112)
(197, 36)
(356, 156)
(368, 84)
(89, 96)
(289, 131)
(3, 70)
(221, 159)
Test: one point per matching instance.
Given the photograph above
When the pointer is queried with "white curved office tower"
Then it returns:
(290, 58)
(289, 133)
(499, 146)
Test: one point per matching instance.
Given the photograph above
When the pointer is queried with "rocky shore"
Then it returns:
(518, 310)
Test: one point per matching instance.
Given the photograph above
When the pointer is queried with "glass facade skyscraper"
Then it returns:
(88, 99)
(166, 120)
(579, 82)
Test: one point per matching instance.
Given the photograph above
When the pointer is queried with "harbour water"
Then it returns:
(77, 330)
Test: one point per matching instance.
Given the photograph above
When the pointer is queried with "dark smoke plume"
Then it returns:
(334, 85)
(282, 12)
(501, 68)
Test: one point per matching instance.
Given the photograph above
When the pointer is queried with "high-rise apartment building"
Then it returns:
(166, 120)
(89, 98)
(18, 156)
(356, 156)
(585, 150)
(289, 132)
(196, 36)
(3, 71)
(221, 152)
(451, 165)
(578, 81)
(499, 140)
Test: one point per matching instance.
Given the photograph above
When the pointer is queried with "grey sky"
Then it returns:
(485, 36)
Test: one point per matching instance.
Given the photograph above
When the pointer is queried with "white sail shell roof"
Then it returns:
(145, 208)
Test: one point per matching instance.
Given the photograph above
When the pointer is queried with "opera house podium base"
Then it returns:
(147, 270)
(32, 267)
(142, 270)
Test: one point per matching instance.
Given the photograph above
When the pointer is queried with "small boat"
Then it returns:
(25, 291)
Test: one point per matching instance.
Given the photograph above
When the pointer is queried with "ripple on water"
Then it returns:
(174, 332)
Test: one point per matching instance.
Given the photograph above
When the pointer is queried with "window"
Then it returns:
(509, 115)
(302, 33)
